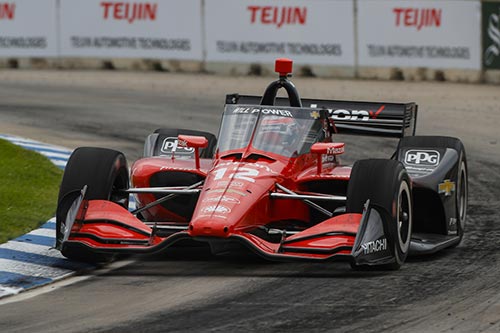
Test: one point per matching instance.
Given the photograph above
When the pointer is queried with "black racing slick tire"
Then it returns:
(105, 173)
(462, 198)
(387, 185)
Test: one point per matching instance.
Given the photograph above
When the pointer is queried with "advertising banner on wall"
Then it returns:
(491, 35)
(132, 28)
(433, 34)
(28, 28)
(307, 31)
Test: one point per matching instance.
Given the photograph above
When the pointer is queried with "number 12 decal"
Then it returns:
(247, 174)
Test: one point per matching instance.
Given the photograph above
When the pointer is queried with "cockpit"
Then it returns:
(286, 131)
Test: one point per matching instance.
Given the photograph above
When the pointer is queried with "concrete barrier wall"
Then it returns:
(453, 40)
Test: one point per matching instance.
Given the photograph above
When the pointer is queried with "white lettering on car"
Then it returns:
(241, 173)
(172, 145)
(362, 115)
(216, 209)
(422, 157)
(374, 246)
(224, 198)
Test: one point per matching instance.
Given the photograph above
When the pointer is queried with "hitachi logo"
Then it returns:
(374, 246)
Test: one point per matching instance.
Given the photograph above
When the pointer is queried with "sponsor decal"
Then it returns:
(277, 112)
(278, 16)
(274, 112)
(418, 171)
(446, 188)
(229, 190)
(182, 143)
(422, 157)
(374, 246)
(216, 209)
(224, 198)
(363, 115)
(491, 35)
(7, 11)
(328, 158)
(172, 145)
(417, 17)
(129, 11)
(227, 183)
(335, 150)
(315, 114)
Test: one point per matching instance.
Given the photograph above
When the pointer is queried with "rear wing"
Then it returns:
(363, 118)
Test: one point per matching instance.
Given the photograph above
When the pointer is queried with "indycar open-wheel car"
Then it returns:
(272, 182)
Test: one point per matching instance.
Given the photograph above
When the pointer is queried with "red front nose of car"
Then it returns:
(209, 226)
(235, 198)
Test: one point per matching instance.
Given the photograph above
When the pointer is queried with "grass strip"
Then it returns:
(29, 185)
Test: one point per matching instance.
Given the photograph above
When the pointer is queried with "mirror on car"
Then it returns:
(328, 148)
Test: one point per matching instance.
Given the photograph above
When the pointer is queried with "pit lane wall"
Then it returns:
(457, 40)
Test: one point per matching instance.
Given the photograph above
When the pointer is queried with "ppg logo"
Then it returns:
(171, 145)
(422, 157)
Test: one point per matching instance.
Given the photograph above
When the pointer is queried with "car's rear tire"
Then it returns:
(462, 188)
(154, 141)
(386, 184)
(105, 173)
(156, 145)
(462, 198)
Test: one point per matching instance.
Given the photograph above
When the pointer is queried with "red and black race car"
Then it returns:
(272, 182)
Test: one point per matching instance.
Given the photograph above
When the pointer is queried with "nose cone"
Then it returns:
(220, 210)
(234, 198)
(209, 226)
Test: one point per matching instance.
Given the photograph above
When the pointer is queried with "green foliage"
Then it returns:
(29, 185)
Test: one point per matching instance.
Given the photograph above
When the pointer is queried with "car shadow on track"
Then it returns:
(199, 261)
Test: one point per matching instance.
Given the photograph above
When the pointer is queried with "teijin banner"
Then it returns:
(311, 32)
(432, 34)
(168, 29)
(28, 28)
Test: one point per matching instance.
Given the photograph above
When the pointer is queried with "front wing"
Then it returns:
(101, 226)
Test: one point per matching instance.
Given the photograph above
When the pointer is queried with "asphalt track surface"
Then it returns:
(189, 290)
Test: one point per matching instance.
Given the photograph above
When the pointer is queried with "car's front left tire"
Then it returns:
(386, 184)
(105, 173)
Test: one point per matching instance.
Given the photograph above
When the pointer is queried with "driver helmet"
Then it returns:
(281, 131)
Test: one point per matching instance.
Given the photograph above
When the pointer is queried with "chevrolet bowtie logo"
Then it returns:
(447, 187)
(315, 114)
